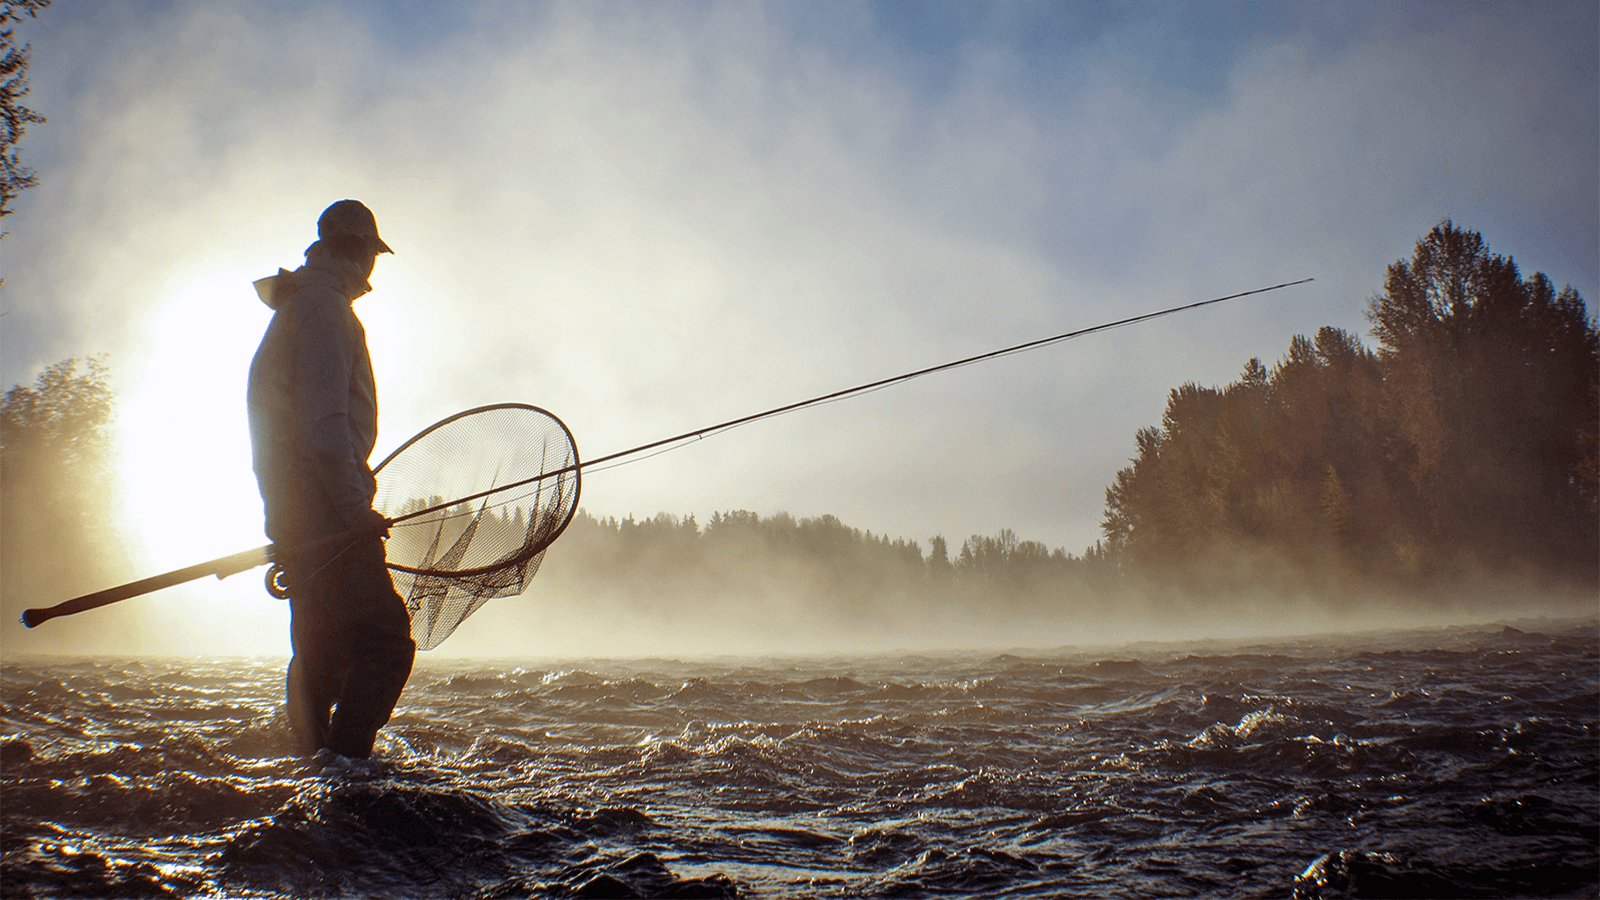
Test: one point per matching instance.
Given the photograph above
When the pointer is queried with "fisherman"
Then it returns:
(313, 422)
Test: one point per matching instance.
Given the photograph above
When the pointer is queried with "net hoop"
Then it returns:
(575, 469)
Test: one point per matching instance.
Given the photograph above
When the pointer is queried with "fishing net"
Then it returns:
(474, 502)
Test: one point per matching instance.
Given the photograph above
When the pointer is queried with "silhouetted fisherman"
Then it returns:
(313, 422)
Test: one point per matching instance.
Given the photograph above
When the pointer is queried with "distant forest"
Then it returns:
(821, 559)
(1462, 449)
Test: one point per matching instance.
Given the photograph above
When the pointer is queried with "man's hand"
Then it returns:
(372, 522)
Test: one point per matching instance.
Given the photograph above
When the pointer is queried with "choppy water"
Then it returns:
(1451, 764)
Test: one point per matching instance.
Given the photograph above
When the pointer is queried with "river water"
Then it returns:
(1448, 763)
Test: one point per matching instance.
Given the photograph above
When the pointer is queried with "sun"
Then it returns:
(187, 490)
(181, 424)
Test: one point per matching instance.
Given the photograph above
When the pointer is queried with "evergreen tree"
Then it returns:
(939, 568)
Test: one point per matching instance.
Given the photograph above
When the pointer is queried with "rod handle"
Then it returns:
(220, 567)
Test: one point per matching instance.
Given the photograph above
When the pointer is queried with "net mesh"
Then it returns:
(475, 500)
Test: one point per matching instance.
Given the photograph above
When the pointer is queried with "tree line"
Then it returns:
(820, 558)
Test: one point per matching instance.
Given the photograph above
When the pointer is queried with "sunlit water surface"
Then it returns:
(1455, 763)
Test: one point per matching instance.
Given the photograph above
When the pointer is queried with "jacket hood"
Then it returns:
(342, 275)
(274, 289)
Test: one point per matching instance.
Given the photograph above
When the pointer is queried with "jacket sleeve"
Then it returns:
(325, 359)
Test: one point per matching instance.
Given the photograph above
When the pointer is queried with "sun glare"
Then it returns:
(188, 489)
(186, 450)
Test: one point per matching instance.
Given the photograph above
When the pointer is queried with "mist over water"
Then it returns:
(776, 623)
(743, 583)
(577, 608)
(764, 599)
(1448, 762)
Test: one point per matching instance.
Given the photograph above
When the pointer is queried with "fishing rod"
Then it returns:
(567, 464)
(846, 393)
(886, 382)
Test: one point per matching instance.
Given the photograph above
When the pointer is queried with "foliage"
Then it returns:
(56, 477)
(14, 117)
(1465, 445)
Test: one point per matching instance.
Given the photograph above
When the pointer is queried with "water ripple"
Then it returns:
(1459, 763)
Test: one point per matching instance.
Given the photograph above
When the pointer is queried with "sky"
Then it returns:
(651, 218)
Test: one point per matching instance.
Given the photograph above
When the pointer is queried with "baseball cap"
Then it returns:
(351, 217)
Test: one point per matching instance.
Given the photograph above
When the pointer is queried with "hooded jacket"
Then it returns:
(313, 404)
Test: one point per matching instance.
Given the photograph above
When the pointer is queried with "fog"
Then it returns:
(770, 604)
(776, 622)
(749, 585)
